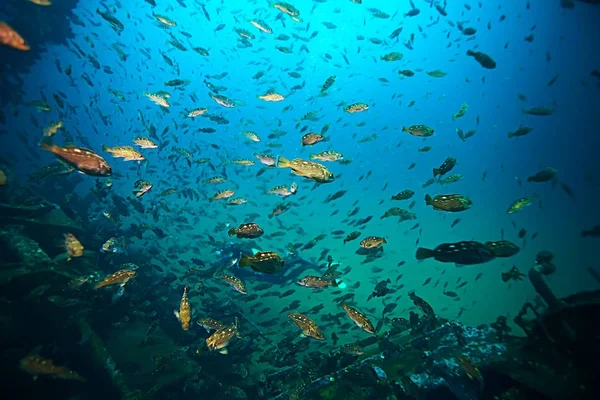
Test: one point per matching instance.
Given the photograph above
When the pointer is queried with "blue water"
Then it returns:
(565, 44)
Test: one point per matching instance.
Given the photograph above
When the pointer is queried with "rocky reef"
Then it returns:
(40, 27)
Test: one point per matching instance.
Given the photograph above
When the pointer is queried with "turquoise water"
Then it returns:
(564, 46)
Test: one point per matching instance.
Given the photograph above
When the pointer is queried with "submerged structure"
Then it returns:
(426, 356)
(230, 200)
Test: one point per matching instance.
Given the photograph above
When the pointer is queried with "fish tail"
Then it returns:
(46, 144)
(231, 232)
(423, 253)
(105, 148)
(311, 157)
(428, 199)
(436, 172)
(244, 261)
(283, 162)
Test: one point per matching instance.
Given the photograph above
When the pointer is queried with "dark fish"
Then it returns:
(594, 232)
(352, 236)
(446, 167)
(461, 253)
(483, 59)
(448, 202)
(403, 195)
(543, 176)
(335, 196)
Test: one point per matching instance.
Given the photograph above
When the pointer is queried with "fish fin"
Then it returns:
(283, 162)
(118, 294)
(177, 315)
(223, 351)
(244, 261)
(428, 199)
(46, 144)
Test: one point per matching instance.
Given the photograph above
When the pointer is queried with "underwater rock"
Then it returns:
(20, 249)
(39, 29)
(234, 393)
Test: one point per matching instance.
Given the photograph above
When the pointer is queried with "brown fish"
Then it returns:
(471, 370)
(352, 349)
(120, 277)
(448, 202)
(127, 153)
(359, 319)
(312, 138)
(247, 231)
(10, 37)
(145, 143)
(235, 283)
(184, 314)
(371, 242)
(308, 169)
(418, 130)
(221, 338)
(35, 365)
(85, 161)
(316, 282)
(210, 324)
(73, 246)
(308, 326)
(223, 194)
(267, 262)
